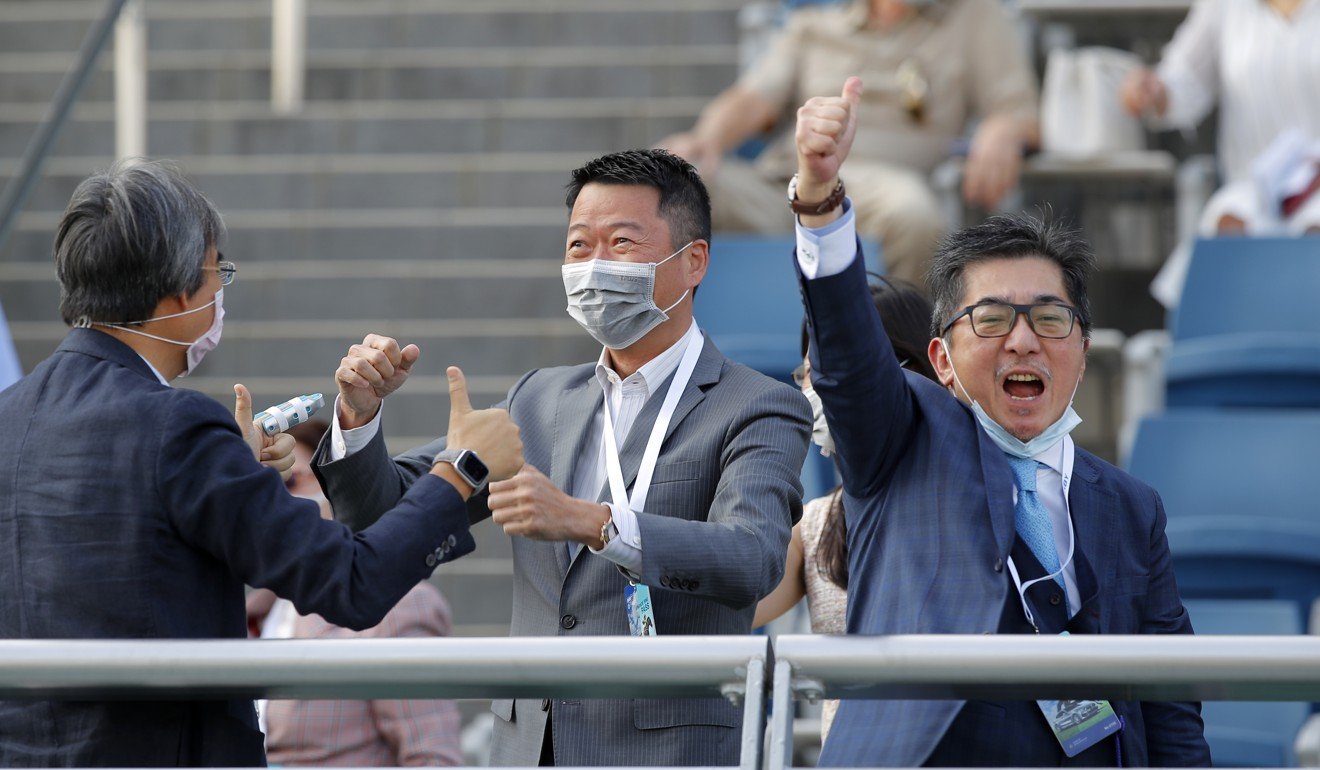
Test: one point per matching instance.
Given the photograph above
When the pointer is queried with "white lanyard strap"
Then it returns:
(618, 489)
(1068, 456)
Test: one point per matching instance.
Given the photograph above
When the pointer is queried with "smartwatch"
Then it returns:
(467, 465)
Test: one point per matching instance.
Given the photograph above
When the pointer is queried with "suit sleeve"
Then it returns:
(867, 401)
(365, 484)
(1175, 734)
(736, 556)
(222, 501)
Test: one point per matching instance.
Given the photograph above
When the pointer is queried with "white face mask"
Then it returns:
(1007, 441)
(615, 301)
(820, 431)
(198, 348)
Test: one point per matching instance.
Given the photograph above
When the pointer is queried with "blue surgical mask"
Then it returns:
(1007, 441)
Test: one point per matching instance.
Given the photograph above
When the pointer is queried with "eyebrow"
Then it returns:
(1038, 299)
(617, 225)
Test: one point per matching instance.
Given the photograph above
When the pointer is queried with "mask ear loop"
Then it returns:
(949, 354)
(682, 296)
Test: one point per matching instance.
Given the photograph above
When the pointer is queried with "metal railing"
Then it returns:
(1151, 667)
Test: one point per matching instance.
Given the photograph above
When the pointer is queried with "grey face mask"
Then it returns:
(615, 301)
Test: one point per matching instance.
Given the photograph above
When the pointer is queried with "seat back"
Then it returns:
(1246, 332)
(1249, 734)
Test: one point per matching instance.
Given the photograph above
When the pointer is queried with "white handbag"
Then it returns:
(1080, 110)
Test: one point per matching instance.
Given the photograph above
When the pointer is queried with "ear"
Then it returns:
(696, 261)
(939, 358)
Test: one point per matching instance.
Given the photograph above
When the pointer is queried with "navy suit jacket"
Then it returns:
(929, 508)
(129, 509)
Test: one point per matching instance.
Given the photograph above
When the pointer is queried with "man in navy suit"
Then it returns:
(130, 509)
(969, 509)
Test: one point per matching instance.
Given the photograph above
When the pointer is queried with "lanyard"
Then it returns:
(618, 489)
(1068, 456)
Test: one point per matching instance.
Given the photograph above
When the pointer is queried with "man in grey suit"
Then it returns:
(685, 488)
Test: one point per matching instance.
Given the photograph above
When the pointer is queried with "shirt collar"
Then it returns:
(1052, 457)
(153, 369)
(653, 372)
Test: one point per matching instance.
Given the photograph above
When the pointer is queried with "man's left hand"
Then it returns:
(530, 505)
(994, 162)
(273, 452)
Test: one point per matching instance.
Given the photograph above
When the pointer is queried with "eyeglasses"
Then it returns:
(801, 375)
(1049, 320)
(226, 271)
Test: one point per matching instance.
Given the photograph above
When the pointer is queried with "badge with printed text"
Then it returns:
(1079, 724)
(641, 620)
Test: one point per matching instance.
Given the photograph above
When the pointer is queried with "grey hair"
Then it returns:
(130, 237)
(1010, 236)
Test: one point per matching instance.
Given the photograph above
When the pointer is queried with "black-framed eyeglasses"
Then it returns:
(800, 375)
(225, 269)
(1050, 320)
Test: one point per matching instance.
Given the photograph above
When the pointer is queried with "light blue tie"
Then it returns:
(1031, 519)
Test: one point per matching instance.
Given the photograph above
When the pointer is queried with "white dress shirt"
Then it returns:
(829, 250)
(625, 399)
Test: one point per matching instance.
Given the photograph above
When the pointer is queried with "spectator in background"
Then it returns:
(935, 65)
(817, 566)
(378, 733)
(1260, 60)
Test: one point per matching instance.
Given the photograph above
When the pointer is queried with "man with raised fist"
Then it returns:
(661, 481)
(969, 509)
(131, 509)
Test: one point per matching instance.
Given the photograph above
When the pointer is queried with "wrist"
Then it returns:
(445, 470)
(595, 517)
(350, 418)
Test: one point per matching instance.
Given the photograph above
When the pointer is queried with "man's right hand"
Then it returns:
(826, 126)
(491, 433)
(370, 372)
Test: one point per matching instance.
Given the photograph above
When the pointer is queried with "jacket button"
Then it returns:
(693, 585)
(452, 541)
(567, 622)
(1055, 599)
(664, 581)
(545, 704)
(999, 565)
(430, 560)
(440, 552)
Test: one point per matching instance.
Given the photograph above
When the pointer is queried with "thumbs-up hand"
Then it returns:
(370, 372)
(826, 126)
(272, 451)
(491, 433)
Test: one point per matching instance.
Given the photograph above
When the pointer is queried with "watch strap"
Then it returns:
(455, 457)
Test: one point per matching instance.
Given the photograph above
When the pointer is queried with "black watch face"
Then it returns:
(473, 468)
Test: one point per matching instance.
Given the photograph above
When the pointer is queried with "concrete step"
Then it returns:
(591, 126)
(375, 74)
(54, 25)
(491, 234)
(302, 291)
(265, 182)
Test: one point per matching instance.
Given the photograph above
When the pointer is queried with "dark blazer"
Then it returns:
(722, 502)
(929, 508)
(129, 509)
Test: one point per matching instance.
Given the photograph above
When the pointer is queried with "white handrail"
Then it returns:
(131, 82)
(288, 55)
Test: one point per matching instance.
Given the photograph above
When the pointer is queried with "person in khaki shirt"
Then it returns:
(931, 67)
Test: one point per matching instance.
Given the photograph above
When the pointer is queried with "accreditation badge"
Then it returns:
(1080, 724)
(641, 620)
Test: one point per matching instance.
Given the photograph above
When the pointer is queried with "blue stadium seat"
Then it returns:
(1247, 332)
(1242, 495)
(1249, 734)
(750, 306)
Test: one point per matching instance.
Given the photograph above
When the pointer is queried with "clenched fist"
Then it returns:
(530, 505)
(826, 126)
(271, 451)
(370, 372)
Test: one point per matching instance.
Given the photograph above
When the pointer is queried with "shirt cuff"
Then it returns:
(828, 250)
(624, 549)
(346, 442)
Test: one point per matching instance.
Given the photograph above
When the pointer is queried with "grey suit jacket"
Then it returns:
(722, 502)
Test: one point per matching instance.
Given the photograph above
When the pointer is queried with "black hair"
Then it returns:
(684, 201)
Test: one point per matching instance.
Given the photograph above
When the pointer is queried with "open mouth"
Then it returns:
(1023, 387)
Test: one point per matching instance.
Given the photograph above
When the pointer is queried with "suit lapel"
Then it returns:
(573, 415)
(1087, 502)
(998, 489)
(706, 373)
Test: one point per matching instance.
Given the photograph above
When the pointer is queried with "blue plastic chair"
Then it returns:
(750, 306)
(1247, 331)
(1242, 494)
(1250, 734)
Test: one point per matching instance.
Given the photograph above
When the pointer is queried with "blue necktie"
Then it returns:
(1032, 520)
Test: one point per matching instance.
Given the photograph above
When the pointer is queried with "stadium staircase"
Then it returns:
(418, 194)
